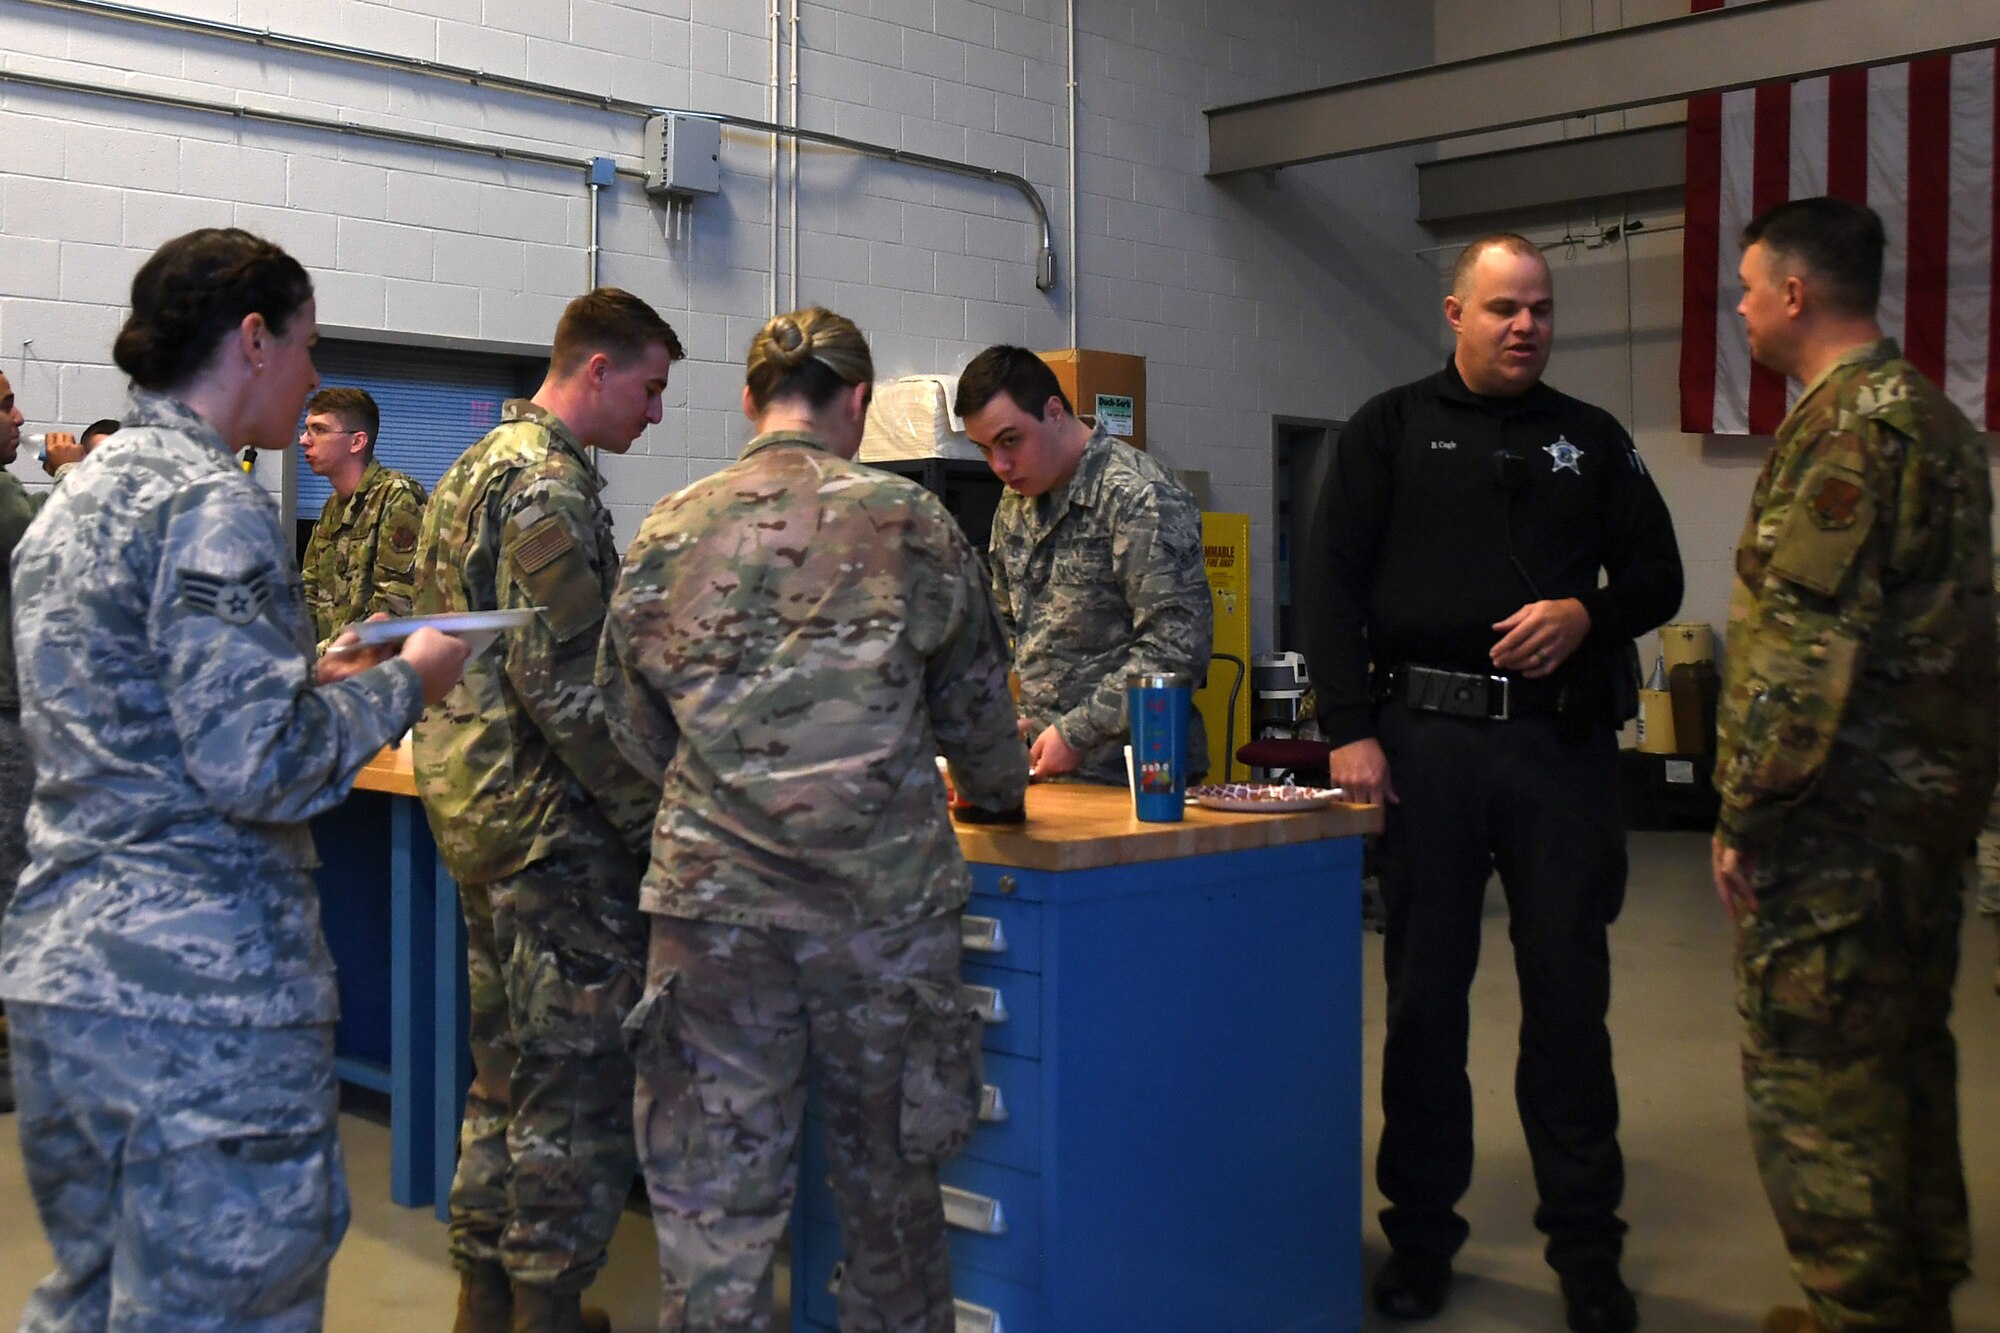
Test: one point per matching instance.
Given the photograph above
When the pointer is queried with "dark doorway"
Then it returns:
(1302, 453)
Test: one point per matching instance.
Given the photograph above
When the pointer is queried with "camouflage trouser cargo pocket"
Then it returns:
(272, 1210)
(942, 1071)
(189, 1178)
(667, 1114)
(1806, 991)
(1844, 977)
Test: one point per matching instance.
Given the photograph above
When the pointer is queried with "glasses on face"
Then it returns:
(320, 430)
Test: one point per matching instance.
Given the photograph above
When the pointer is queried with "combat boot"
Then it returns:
(1791, 1319)
(539, 1309)
(485, 1302)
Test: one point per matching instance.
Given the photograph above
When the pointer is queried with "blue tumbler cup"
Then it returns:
(1158, 705)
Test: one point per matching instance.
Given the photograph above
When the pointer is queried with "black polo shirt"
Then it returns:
(1447, 511)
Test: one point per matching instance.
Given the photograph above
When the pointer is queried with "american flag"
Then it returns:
(1913, 141)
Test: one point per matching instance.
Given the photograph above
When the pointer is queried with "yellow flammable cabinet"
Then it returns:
(1225, 545)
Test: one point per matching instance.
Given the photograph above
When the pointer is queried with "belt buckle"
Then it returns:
(1506, 685)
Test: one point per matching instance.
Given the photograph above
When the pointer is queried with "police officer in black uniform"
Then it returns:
(1471, 669)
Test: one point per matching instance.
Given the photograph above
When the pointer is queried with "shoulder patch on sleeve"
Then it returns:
(542, 545)
(1834, 502)
(237, 601)
(557, 574)
(1829, 524)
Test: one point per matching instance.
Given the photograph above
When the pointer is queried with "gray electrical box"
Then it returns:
(683, 155)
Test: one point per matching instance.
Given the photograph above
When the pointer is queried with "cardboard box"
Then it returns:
(1119, 379)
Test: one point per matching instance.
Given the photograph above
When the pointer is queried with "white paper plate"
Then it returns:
(477, 628)
(1261, 798)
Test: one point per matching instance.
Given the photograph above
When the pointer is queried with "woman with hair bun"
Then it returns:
(792, 642)
(171, 997)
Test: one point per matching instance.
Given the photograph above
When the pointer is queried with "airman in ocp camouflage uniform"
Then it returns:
(363, 552)
(1096, 562)
(1989, 843)
(1856, 757)
(543, 824)
(17, 510)
(791, 643)
(17, 770)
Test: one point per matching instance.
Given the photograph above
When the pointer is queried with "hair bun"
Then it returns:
(790, 346)
(193, 292)
(810, 353)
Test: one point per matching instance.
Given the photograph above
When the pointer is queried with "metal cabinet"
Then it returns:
(1173, 1117)
(970, 491)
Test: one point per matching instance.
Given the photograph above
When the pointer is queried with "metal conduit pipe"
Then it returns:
(776, 102)
(1073, 151)
(1045, 269)
(597, 172)
(792, 119)
(603, 172)
(1045, 274)
(504, 152)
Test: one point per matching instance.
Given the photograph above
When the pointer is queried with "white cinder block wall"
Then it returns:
(1298, 297)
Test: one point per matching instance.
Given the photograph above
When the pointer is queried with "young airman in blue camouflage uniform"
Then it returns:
(1097, 567)
(172, 997)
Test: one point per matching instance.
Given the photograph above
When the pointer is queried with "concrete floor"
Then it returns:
(1703, 1253)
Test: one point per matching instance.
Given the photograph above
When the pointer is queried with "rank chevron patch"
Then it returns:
(237, 601)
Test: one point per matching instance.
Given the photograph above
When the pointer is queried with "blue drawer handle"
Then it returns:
(992, 1106)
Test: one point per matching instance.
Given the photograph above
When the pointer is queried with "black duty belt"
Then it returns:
(1495, 698)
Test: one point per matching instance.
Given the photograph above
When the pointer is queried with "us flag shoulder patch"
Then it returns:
(542, 545)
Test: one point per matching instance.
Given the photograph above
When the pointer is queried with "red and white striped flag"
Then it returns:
(1914, 142)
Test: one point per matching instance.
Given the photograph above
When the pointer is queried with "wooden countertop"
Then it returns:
(389, 771)
(1073, 826)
